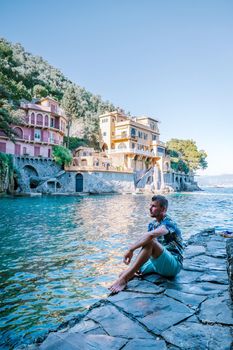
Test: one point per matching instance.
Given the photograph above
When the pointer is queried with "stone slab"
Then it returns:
(201, 288)
(86, 326)
(204, 263)
(217, 310)
(189, 335)
(116, 323)
(154, 278)
(76, 341)
(145, 344)
(191, 300)
(193, 250)
(186, 277)
(156, 312)
(124, 296)
(220, 277)
(137, 285)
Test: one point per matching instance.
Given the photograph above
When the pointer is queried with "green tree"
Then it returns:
(70, 105)
(62, 155)
(39, 91)
(185, 155)
(75, 142)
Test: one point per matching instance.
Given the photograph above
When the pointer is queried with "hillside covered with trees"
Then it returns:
(24, 77)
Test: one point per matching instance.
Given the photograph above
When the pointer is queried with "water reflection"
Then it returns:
(59, 254)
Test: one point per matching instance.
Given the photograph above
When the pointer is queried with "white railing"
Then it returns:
(134, 151)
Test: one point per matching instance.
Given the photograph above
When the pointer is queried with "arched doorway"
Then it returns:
(79, 183)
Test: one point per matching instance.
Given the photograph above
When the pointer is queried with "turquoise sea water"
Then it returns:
(59, 254)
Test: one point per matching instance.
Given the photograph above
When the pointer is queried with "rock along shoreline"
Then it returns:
(191, 311)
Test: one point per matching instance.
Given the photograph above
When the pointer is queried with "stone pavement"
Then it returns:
(192, 311)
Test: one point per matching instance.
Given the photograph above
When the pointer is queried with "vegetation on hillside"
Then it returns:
(185, 155)
(24, 77)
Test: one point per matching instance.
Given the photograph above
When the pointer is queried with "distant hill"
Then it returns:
(225, 180)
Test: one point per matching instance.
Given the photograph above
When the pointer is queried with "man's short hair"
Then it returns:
(162, 201)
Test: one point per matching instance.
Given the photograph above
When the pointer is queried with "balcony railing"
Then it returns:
(57, 111)
(96, 168)
(134, 151)
(125, 136)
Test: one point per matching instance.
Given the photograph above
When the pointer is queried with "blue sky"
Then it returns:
(167, 59)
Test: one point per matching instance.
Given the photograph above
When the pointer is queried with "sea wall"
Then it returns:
(43, 175)
(37, 174)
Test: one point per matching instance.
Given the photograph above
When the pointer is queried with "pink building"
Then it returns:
(45, 126)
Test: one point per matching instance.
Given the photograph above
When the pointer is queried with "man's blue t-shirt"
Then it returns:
(172, 241)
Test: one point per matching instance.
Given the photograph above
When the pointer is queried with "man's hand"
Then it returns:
(128, 256)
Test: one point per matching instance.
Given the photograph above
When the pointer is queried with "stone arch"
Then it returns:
(121, 145)
(30, 170)
(19, 132)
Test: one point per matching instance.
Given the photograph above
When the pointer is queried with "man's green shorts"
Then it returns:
(166, 264)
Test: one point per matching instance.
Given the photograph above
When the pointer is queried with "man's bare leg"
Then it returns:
(153, 249)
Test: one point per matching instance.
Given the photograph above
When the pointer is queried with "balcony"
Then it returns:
(97, 168)
(158, 143)
(124, 137)
(134, 151)
(57, 111)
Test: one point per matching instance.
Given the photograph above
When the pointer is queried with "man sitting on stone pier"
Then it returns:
(161, 251)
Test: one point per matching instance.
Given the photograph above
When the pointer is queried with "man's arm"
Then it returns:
(144, 240)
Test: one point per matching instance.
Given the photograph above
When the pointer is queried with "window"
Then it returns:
(19, 132)
(140, 133)
(52, 122)
(133, 132)
(36, 151)
(154, 137)
(24, 150)
(161, 150)
(3, 147)
(37, 135)
(17, 150)
(39, 119)
(133, 145)
(46, 120)
(145, 136)
(33, 118)
(51, 137)
(104, 133)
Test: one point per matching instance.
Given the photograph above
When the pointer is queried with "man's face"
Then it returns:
(156, 211)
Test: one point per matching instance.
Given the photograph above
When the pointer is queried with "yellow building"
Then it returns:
(132, 143)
